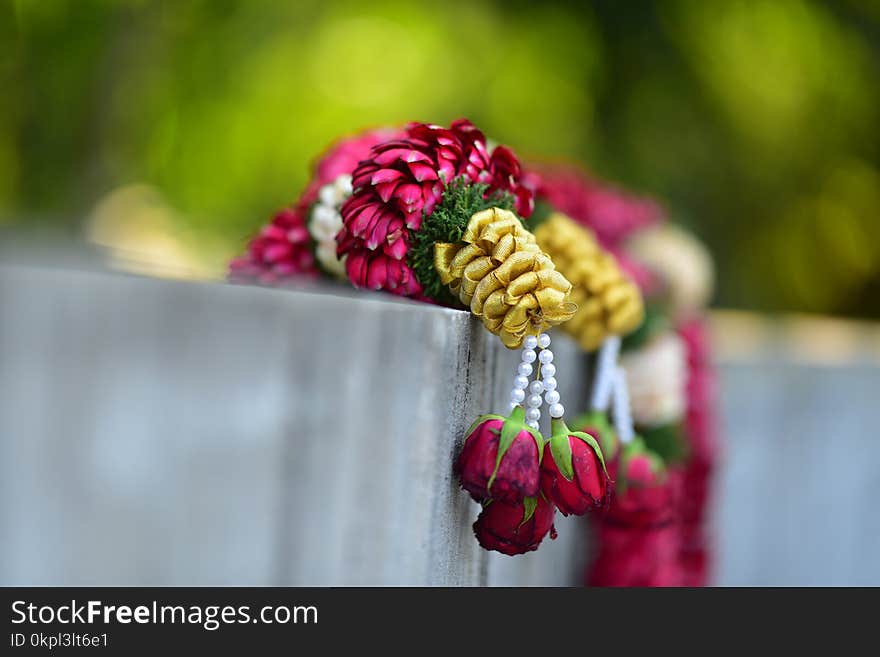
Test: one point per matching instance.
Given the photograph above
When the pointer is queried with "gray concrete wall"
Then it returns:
(158, 432)
(797, 496)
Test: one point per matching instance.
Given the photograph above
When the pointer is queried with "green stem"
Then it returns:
(557, 426)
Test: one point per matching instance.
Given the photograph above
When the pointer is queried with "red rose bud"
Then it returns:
(596, 424)
(514, 528)
(648, 495)
(501, 459)
(573, 471)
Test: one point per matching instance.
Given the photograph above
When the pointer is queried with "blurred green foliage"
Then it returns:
(757, 122)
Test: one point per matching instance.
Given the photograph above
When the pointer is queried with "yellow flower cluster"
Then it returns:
(609, 303)
(501, 274)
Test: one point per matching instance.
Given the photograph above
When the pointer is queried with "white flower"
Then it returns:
(326, 221)
(683, 263)
(657, 378)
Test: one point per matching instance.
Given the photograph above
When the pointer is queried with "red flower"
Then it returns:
(695, 555)
(596, 424)
(514, 528)
(344, 156)
(573, 472)
(700, 421)
(639, 537)
(704, 444)
(648, 495)
(636, 557)
(377, 271)
(402, 180)
(281, 250)
(500, 459)
(610, 213)
(506, 175)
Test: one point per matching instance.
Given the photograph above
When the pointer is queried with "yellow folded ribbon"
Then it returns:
(501, 274)
(609, 303)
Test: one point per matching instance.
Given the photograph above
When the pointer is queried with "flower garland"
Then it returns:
(435, 214)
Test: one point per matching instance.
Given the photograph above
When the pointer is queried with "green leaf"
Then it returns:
(634, 447)
(638, 448)
(461, 200)
(509, 431)
(668, 441)
(599, 421)
(656, 321)
(513, 425)
(529, 506)
(481, 419)
(541, 213)
(560, 448)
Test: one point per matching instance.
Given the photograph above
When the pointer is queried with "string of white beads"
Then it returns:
(603, 381)
(523, 372)
(548, 378)
(623, 422)
(609, 376)
(530, 394)
(532, 400)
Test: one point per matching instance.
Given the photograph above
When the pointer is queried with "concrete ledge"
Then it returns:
(158, 432)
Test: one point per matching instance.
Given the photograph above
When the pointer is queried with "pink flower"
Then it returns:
(402, 180)
(639, 536)
(281, 250)
(641, 556)
(344, 156)
(704, 444)
(646, 496)
(700, 420)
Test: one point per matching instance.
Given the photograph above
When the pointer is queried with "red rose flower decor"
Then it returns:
(500, 459)
(514, 528)
(638, 536)
(573, 473)
(282, 250)
(520, 478)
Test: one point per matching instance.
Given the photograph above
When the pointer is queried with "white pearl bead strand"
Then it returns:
(524, 392)
(536, 349)
(547, 384)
